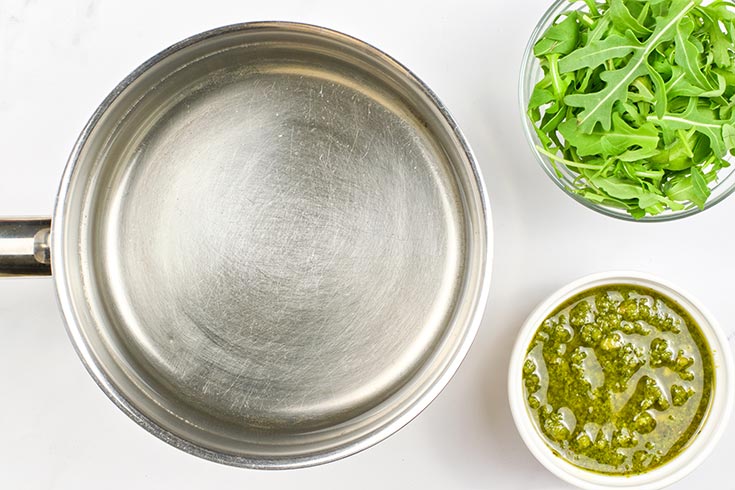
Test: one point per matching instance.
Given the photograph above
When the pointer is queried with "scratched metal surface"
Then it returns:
(281, 245)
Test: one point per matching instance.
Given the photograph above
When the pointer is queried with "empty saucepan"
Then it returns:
(271, 245)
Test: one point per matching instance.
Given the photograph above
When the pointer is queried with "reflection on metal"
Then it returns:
(24, 247)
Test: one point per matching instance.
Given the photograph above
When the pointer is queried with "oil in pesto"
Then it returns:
(618, 379)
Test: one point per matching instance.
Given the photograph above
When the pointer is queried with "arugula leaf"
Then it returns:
(598, 52)
(540, 97)
(701, 120)
(561, 38)
(728, 135)
(692, 187)
(623, 21)
(618, 188)
(680, 85)
(686, 55)
(720, 44)
(610, 143)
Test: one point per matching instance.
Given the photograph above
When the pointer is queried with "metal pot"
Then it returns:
(270, 245)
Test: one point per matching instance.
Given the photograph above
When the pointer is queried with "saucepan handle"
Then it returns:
(24, 247)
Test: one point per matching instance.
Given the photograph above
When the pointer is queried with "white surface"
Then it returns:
(58, 60)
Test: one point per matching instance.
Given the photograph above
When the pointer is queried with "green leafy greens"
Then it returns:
(637, 100)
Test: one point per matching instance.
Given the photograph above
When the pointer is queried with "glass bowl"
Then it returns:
(531, 73)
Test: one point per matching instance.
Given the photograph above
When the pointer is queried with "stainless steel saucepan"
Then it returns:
(271, 245)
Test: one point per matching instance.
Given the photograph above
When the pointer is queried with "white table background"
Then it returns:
(59, 59)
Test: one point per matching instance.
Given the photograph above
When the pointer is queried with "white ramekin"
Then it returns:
(712, 428)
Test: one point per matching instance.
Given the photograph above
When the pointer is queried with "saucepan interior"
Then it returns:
(271, 245)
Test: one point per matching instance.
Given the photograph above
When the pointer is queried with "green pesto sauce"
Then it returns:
(618, 380)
